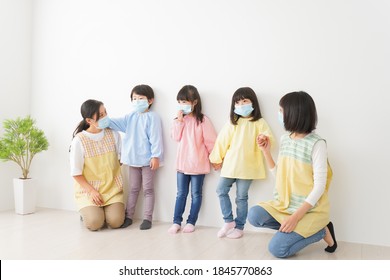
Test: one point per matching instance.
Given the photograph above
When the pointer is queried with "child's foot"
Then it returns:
(189, 228)
(235, 234)
(227, 227)
(331, 249)
(127, 222)
(146, 224)
(174, 229)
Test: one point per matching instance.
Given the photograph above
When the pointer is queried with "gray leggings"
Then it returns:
(141, 177)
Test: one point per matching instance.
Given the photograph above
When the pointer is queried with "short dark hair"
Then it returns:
(144, 90)
(190, 93)
(299, 112)
(245, 93)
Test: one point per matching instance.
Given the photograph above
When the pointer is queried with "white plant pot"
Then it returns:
(24, 194)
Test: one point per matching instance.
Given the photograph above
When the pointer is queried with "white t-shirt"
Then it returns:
(77, 151)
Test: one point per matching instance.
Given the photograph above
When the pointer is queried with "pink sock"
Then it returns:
(236, 233)
(227, 227)
(189, 228)
(174, 229)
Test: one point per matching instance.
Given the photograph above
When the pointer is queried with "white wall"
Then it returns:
(338, 51)
(15, 79)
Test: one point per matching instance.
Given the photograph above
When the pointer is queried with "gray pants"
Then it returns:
(141, 177)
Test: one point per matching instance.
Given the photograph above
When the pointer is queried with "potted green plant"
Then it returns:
(21, 141)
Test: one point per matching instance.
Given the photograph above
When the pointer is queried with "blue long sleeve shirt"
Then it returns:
(142, 140)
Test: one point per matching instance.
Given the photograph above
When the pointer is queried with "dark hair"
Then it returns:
(299, 112)
(88, 109)
(144, 90)
(245, 93)
(190, 93)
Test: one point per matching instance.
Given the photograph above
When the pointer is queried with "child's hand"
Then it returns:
(263, 142)
(180, 115)
(154, 163)
(217, 166)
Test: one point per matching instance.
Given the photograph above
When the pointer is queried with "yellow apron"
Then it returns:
(101, 170)
(294, 182)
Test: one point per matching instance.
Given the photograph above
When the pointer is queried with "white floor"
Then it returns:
(59, 235)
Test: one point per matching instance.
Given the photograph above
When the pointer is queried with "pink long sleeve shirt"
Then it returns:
(196, 141)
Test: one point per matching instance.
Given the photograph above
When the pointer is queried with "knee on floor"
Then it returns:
(115, 222)
(94, 224)
(278, 250)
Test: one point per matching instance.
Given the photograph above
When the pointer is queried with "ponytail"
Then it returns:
(83, 125)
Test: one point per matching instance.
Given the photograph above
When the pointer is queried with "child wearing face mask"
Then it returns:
(240, 159)
(195, 135)
(142, 151)
(96, 170)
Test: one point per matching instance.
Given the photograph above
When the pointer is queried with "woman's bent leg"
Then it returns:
(284, 245)
(259, 217)
(93, 217)
(115, 214)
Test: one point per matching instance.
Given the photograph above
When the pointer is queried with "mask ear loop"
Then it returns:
(89, 121)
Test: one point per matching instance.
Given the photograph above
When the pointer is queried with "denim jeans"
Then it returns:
(242, 188)
(183, 186)
(282, 245)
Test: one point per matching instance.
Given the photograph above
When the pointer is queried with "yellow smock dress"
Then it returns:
(101, 170)
(237, 148)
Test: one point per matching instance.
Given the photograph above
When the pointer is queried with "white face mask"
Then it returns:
(140, 105)
(186, 108)
(243, 110)
(104, 122)
(280, 118)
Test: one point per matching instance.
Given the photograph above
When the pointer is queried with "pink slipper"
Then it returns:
(189, 228)
(235, 234)
(174, 229)
(227, 228)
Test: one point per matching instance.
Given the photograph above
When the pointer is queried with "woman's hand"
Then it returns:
(96, 197)
(87, 189)
(289, 224)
